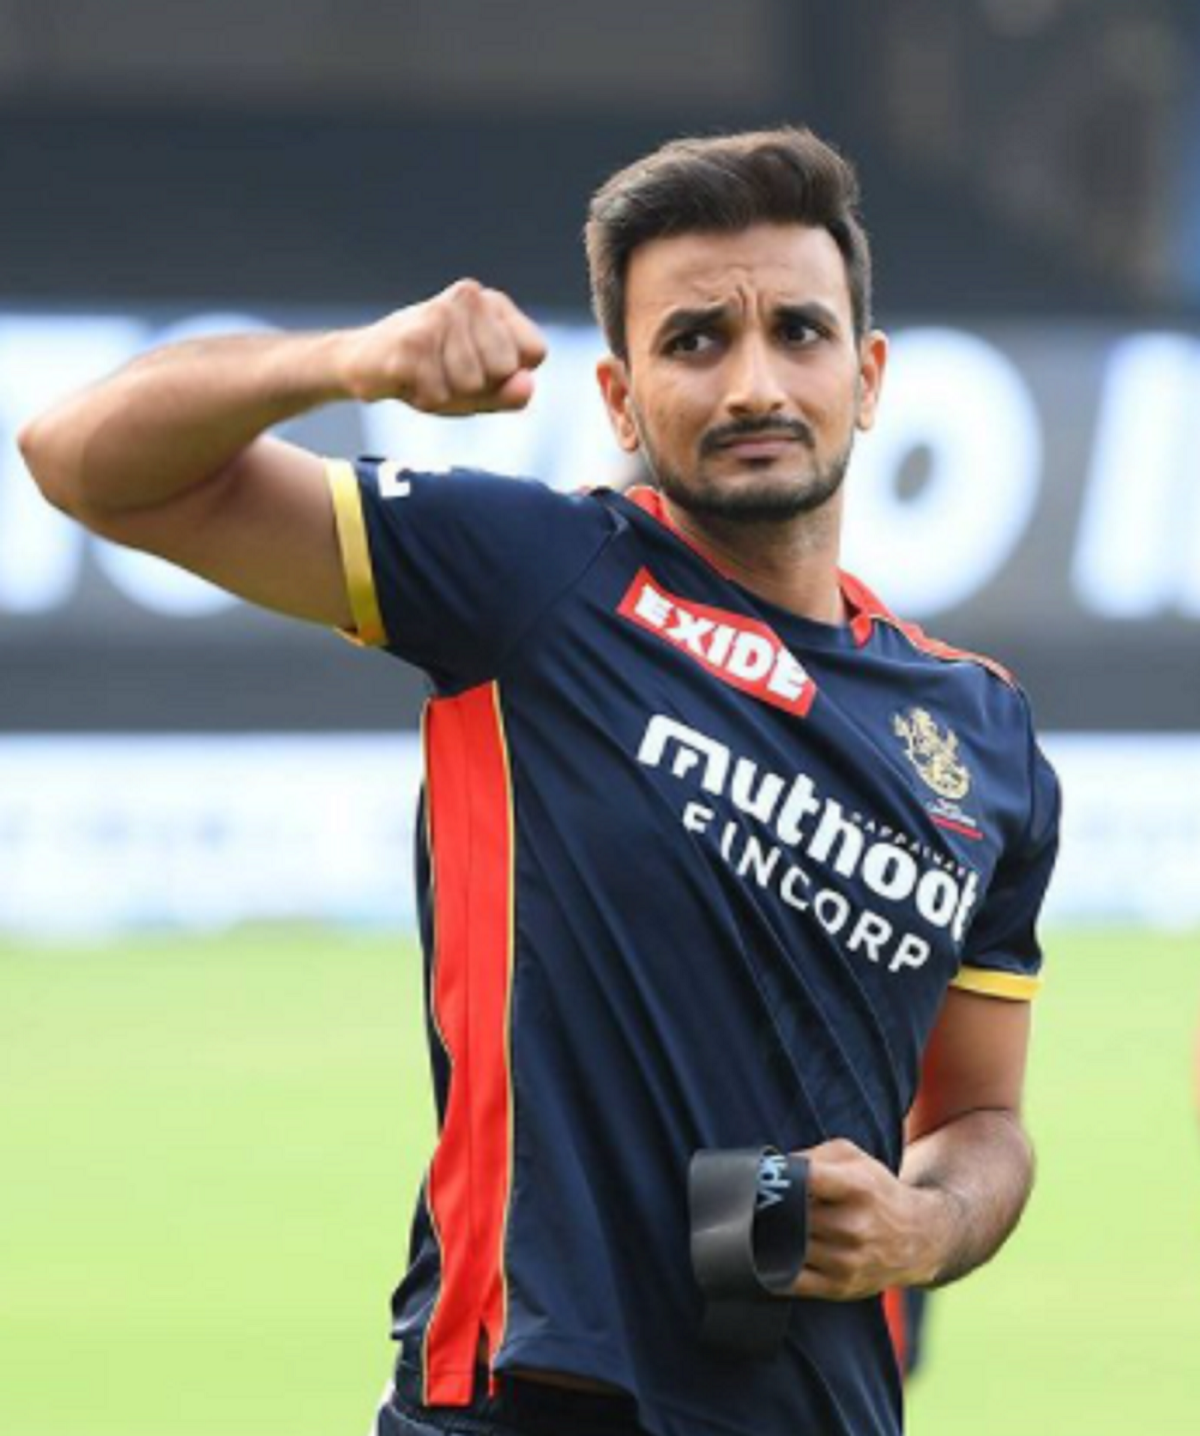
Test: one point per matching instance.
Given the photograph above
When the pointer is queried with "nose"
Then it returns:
(755, 386)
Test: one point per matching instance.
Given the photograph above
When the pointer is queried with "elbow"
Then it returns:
(47, 470)
(29, 443)
(34, 445)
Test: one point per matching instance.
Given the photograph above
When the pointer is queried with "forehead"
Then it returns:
(773, 263)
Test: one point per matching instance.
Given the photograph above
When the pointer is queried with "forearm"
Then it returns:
(176, 417)
(974, 1176)
(176, 420)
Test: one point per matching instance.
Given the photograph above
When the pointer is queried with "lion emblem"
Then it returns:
(932, 753)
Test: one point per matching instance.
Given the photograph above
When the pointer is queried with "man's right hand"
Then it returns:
(468, 350)
(171, 454)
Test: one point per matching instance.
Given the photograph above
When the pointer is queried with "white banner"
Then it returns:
(101, 834)
(926, 541)
(1131, 828)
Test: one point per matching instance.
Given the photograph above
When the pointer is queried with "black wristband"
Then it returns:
(749, 1223)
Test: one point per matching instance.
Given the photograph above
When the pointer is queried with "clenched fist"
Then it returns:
(867, 1230)
(468, 350)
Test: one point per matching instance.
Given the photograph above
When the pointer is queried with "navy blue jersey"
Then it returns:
(694, 872)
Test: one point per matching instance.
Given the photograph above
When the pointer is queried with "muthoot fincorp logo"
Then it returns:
(810, 826)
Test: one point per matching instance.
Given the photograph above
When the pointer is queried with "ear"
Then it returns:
(872, 361)
(613, 376)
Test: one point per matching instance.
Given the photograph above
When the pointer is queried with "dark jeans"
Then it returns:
(520, 1408)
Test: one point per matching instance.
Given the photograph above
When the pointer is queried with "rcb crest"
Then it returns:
(932, 753)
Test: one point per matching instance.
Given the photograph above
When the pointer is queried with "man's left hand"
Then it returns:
(867, 1230)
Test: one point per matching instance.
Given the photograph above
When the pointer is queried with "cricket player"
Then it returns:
(717, 853)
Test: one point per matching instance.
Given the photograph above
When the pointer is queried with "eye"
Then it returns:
(796, 330)
(691, 341)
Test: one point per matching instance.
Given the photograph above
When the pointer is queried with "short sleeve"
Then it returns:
(1003, 957)
(449, 571)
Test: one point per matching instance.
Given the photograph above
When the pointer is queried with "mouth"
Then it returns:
(763, 449)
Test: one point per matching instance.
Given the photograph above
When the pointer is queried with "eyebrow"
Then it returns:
(706, 316)
(700, 318)
(814, 312)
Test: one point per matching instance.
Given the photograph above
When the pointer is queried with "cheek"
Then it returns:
(657, 416)
(676, 413)
(835, 405)
(674, 435)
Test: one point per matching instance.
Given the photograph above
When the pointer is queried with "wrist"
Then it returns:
(371, 362)
(936, 1216)
(341, 354)
(308, 370)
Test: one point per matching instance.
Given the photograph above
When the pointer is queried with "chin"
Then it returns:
(756, 497)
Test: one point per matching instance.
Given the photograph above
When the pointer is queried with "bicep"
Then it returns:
(974, 1060)
(263, 529)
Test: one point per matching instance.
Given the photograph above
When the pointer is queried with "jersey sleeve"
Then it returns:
(1002, 957)
(449, 571)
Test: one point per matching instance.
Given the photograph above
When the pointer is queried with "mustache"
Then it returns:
(738, 429)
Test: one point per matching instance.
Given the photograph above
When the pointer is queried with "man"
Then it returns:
(717, 852)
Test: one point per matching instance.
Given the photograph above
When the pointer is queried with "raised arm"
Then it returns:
(170, 454)
(966, 1175)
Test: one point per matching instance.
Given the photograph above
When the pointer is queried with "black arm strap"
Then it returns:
(749, 1216)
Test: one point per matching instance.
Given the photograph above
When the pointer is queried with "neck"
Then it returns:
(791, 564)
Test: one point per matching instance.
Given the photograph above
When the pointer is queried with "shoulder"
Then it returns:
(871, 613)
(387, 480)
(960, 702)
(475, 508)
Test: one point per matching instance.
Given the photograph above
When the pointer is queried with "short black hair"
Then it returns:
(721, 185)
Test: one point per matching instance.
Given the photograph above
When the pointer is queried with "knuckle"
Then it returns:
(501, 361)
(417, 342)
(432, 394)
(838, 1271)
(857, 1235)
(469, 375)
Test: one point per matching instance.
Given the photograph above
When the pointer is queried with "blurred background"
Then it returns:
(214, 1114)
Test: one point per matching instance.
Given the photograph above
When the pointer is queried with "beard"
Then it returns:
(771, 499)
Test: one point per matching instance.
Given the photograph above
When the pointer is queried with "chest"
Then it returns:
(830, 794)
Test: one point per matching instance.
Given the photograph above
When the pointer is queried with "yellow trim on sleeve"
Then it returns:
(997, 984)
(356, 555)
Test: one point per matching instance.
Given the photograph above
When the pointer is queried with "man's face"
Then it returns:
(744, 382)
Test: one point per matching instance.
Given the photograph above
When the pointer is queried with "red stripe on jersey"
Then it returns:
(957, 827)
(870, 609)
(651, 502)
(471, 847)
(897, 1325)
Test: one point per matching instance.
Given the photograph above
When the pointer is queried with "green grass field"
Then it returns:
(208, 1152)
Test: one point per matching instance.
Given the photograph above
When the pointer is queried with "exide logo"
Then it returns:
(739, 650)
